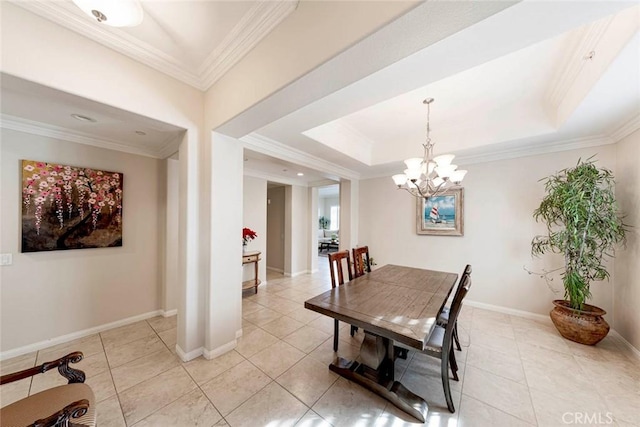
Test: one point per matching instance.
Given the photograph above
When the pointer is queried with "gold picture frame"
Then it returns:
(441, 215)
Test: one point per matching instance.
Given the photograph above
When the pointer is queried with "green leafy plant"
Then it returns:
(323, 222)
(583, 223)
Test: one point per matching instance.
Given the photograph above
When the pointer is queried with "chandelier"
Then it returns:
(429, 176)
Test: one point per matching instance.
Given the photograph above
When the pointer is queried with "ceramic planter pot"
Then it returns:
(584, 326)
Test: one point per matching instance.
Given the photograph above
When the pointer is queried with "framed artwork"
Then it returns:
(441, 215)
(68, 207)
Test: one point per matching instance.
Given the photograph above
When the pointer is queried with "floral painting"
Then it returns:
(67, 207)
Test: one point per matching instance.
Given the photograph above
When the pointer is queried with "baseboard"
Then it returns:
(225, 348)
(511, 311)
(297, 273)
(238, 333)
(169, 313)
(626, 343)
(277, 270)
(185, 357)
(76, 335)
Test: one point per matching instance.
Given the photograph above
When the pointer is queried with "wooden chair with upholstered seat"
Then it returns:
(361, 264)
(335, 268)
(443, 312)
(72, 404)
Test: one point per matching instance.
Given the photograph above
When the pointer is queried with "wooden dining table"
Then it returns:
(392, 304)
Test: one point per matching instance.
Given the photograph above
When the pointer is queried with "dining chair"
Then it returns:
(440, 342)
(361, 261)
(443, 312)
(72, 404)
(335, 267)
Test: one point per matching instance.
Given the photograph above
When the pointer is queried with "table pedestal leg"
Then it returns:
(379, 378)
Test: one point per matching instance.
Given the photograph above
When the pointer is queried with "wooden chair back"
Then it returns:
(465, 273)
(456, 306)
(335, 266)
(361, 261)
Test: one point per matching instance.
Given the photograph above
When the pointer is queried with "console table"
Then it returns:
(251, 258)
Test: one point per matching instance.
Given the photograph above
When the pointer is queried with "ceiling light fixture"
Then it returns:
(429, 176)
(83, 118)
(116, 13)
(300, 174)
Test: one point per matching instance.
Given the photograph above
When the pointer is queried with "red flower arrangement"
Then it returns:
(248, 235)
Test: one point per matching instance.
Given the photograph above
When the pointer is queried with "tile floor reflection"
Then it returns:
(513, 372)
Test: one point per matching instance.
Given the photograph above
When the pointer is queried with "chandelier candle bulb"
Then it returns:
(429, 176)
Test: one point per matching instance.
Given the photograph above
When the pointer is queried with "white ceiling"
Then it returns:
(195, 41)
(500, 90)
(545, 96)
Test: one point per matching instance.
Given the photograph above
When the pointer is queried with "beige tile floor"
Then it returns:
(513, 372)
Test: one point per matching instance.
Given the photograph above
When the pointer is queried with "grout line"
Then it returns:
(117, 394)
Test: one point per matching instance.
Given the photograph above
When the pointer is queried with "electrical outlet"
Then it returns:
(6, 259)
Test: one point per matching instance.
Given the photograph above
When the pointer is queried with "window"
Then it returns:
(335, 217)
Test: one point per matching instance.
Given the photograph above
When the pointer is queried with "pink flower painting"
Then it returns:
(67, 207)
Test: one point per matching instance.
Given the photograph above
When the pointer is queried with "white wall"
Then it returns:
(299, 234)
(324, 208)
(171, 279)
(275, 229)
(255, 217)
(349, 213)
(223, 310)
(626, 292)
(38, 50)
(500, 197)
(49, 294)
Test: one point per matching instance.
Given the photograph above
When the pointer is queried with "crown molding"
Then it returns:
(247, 33)
(323, 183)
(264, 145)
(253, 27)
(254, 173)
(56, 132)
(491, 154)
(170, 147)
(626, 129)
(584, 42)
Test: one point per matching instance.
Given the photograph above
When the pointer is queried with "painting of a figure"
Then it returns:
(68, 207)
(441, 214)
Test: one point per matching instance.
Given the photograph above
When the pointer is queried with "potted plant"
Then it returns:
(584, 225)
(247, 236)
(323, 221)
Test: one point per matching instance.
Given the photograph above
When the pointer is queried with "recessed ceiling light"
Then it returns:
(83, 118)
(141, 133)
(300, 174)
(120, 13)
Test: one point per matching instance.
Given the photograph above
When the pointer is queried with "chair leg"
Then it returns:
(445, 382)
(335, 335)
(454, 364)
(455, 336)
(354, 329)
